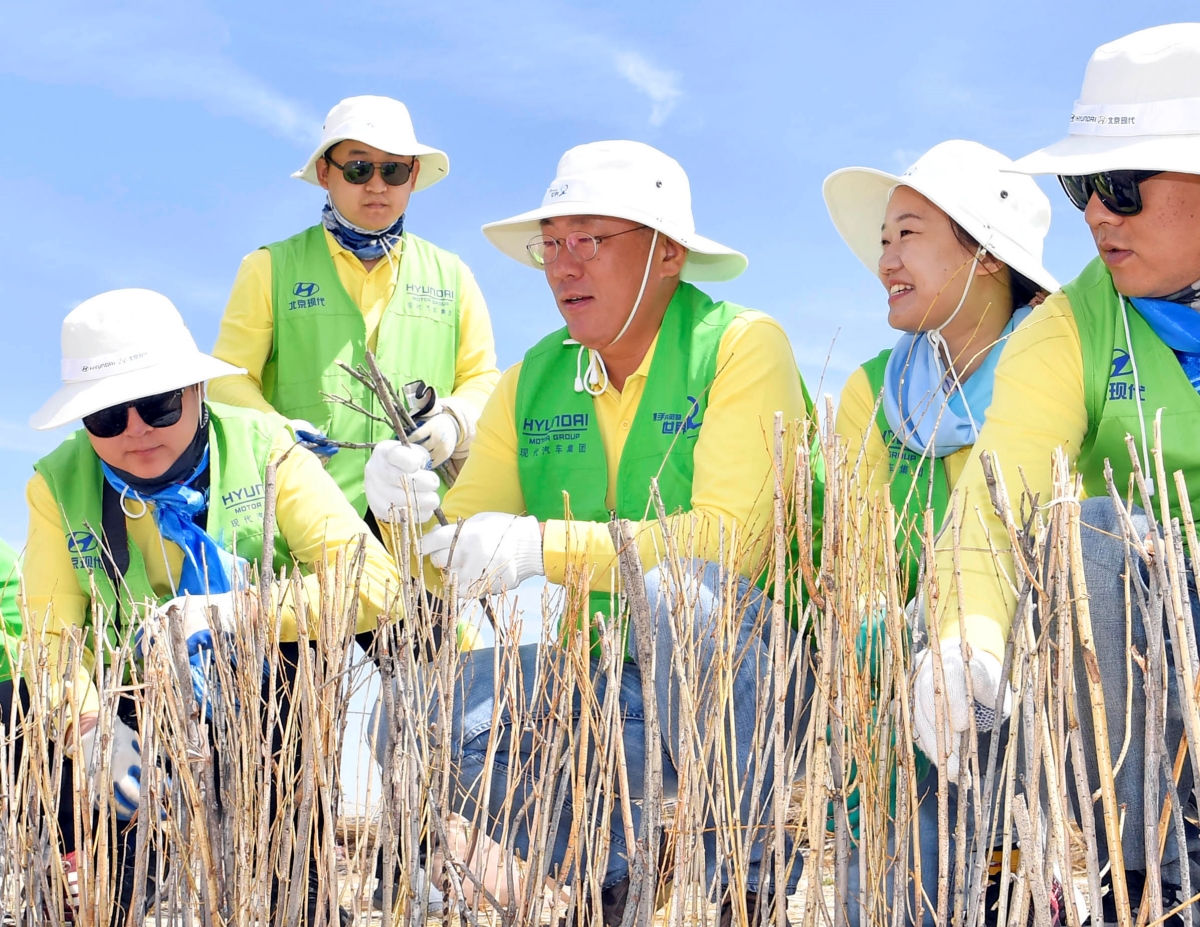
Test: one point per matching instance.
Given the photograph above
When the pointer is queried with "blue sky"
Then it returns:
(149, 144)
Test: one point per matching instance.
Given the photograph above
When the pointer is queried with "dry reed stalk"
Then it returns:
(280, 798)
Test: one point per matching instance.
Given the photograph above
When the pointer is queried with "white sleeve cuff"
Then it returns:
(466, 416)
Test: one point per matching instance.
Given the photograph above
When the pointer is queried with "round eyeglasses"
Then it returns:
(545, 250)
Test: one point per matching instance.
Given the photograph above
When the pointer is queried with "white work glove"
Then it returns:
(439, 435)
(125, 765)
(397, 477)
(494, 551)
(985, 685)
(466, 413)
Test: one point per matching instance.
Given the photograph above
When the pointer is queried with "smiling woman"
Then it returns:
(957, 243)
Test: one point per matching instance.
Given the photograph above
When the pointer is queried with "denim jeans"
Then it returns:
(926, 825)
(1104, 569)
(475, 719)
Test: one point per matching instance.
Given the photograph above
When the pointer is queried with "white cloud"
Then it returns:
(513, 53)
(904, 158)
(166, 50)
(662, 87)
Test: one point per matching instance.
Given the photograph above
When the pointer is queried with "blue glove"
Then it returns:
(195, 611)
(125, 765)
(200, 658)
(312, 438)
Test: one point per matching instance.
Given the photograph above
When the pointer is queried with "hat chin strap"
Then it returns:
(641, 291)
(938, 341)
(595, 381)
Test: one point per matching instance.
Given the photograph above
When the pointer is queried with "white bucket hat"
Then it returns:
(1139, 108)
(382, 123)
(1006, 213)
(622, 180)
(120, 346)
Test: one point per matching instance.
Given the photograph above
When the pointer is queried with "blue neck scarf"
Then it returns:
(366, 245)
(207, 568)
(925, 408)
(1177, 323)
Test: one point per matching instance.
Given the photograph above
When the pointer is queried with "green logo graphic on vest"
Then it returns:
(554, 434)
(901, 459)
(306, 296)
(1120, 378)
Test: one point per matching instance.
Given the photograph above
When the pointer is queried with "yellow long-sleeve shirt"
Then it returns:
(857, 425)
(247, 328)
(312, 516)
(1037, 405)
(733, 479)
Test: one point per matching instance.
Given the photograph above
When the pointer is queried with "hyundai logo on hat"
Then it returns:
(305, 289)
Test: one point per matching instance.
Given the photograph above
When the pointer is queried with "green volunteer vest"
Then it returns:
(317, 323)
(559, 448)
(240, 441)
(10, 609)
(1112, 399)
(915, 482)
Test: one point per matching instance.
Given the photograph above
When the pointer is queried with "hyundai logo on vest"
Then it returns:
(305, 289)
(244, 499)
(1120, 378)
(81, 542)
(85, 550)
(564, 421)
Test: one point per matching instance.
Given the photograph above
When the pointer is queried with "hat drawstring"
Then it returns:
(595, 381)
(638, 302)
(940, 347)
(596, 371)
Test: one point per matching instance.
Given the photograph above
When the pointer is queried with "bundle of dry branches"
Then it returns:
(239, 810)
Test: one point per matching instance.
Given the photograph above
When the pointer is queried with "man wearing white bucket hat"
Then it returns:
(1101, 359)
(957, 243)
(151, 446)
(649, 378)
(359, 281)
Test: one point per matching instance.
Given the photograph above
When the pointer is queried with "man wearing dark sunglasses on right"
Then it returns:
(355, 281)
(1096, 362)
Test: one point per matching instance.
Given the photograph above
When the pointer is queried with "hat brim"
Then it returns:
(75, 400)
(707, 260)
(857, 200)
(435, 164)
(1091, 154)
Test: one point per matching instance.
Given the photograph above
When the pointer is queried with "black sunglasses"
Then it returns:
(1118, 190)
(394, 173)
(159, 411)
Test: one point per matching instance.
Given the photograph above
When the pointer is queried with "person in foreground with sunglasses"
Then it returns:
(358, 281)
(649, 378)
(1097, 361)
(159, 498)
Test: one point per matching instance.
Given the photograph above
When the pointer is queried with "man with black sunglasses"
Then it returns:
(358, 281)
(160, 497)
(1097, 361)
